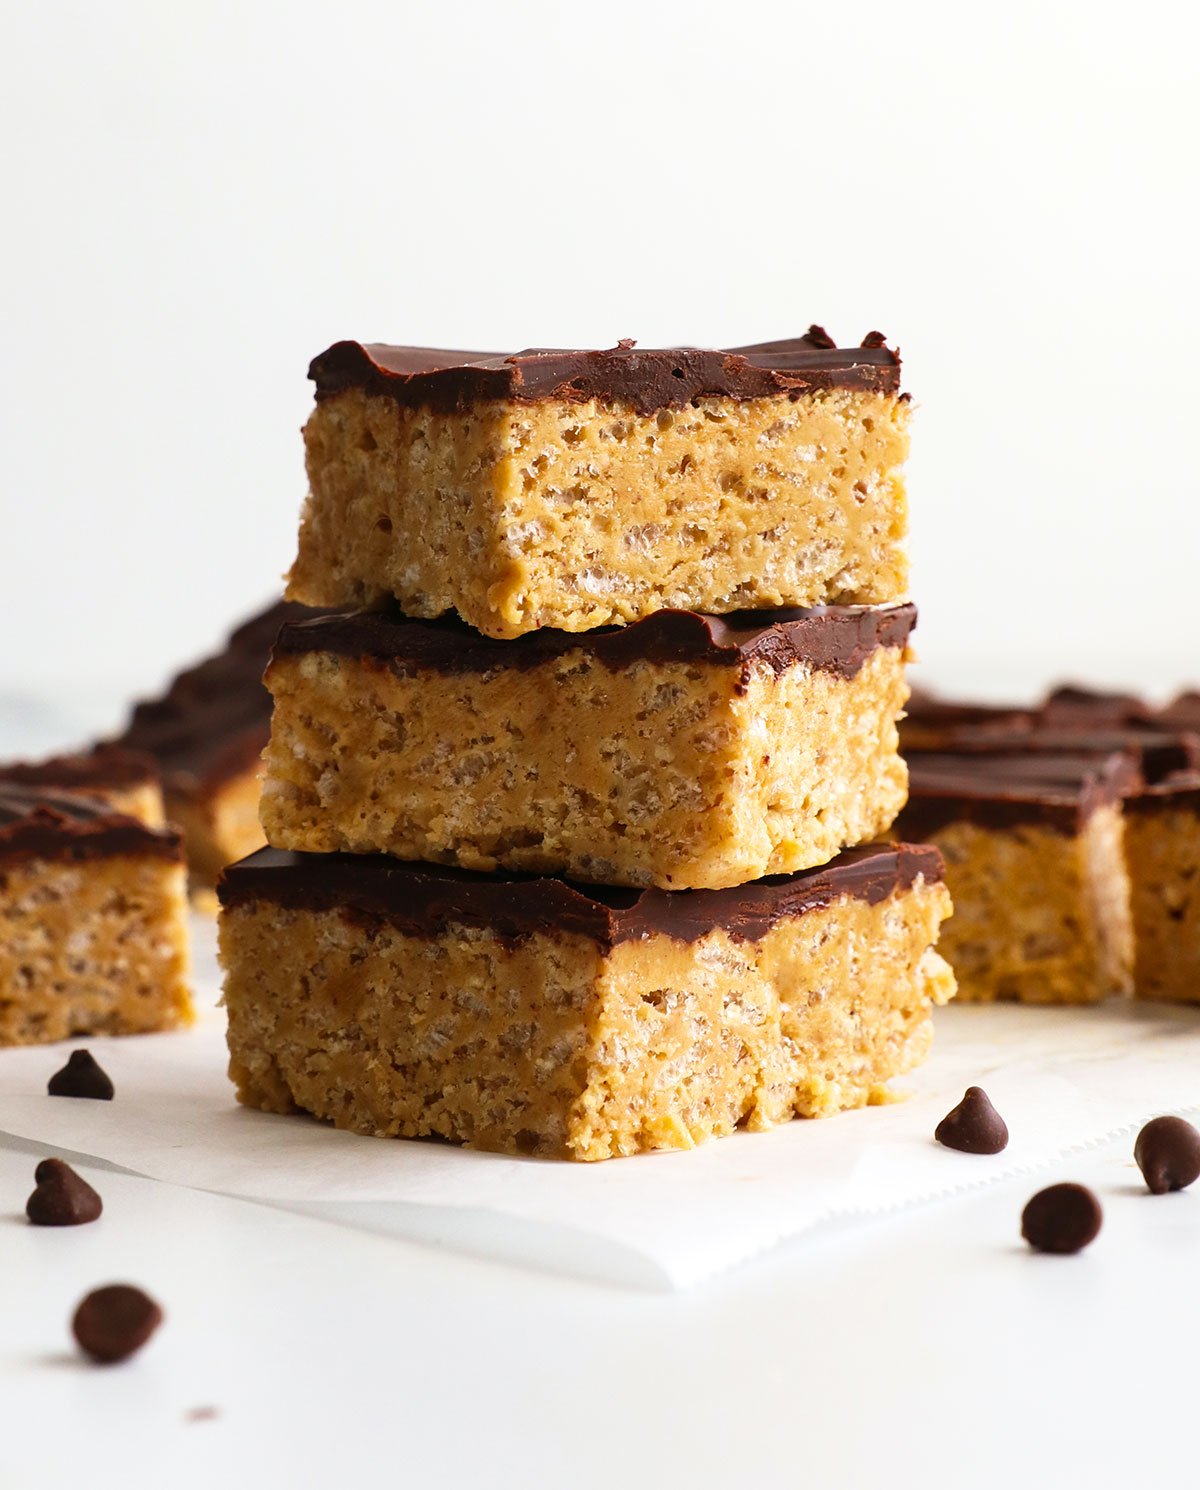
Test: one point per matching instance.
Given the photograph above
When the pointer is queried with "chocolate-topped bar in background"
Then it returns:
(1070, 839)
(683, 751)
(127, 780)
(576, 489)
(533, 1016)
(1032, 844)
(207, 733)
(93, 906)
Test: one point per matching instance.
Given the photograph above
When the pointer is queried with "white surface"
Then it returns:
(1068, 1078)
(198, 198)
(927, 1352)
(925, 1348)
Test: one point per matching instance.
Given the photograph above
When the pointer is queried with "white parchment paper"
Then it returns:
(1063, 1079)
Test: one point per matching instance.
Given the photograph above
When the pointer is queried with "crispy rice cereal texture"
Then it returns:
(576, 515)
(90, 948)
(665, 774)
(550, 1045)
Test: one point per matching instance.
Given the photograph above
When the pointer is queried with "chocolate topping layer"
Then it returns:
(1071, 707)
(422, 899)
(931, 723)
(1180, 791)
(214, 720)
(37, 824)
(836, 639)
(103, 768)
(1057, 791)
(428, 377)
(1156, 752)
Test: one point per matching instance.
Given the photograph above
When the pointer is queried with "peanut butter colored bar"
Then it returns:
(127, 781)
(1033, 846)
(581, 489)
(1162, 844)
(682, 751)
(206, 733)
(93, 928)
(533, 1017)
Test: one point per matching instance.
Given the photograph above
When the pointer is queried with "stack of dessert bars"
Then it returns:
(575, 817)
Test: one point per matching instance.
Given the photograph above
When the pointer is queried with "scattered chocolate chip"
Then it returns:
(1062, 1218)
(201, 1414)
(113, 1322)
(62, 1198)
(1168, 1154)
(974, 1126)
(81, 1077)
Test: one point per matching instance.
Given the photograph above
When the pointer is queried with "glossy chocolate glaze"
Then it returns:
(423, 899)
(836, 639)
(44, 824)
(659, 378)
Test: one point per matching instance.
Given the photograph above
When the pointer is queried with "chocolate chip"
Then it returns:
(1063, 1218)
(1168, 1154)
(113, 1322)
(81, 1077)
(974, 1126)
(61, 1197)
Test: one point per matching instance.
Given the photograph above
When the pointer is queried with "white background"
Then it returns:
(198, 197)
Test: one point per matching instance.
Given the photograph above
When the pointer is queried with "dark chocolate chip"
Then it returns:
(974, 1126)
(62, 1198)
(113, 1322)
(1168, 1154)
(81, 1077)
(1063, 1218)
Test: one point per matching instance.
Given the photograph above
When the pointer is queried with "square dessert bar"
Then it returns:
(1182, 713)
(1033, 844)
(682, 751)
(93, 910)
(531, 1016)
(127, 780)
(578, 489)
(207, 733)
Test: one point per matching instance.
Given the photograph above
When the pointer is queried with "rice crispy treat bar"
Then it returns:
(582, 489)
(682, 751)
(1162, 845)
(530, 1016)
(207, 733)
(128, 781)
(93, 920)
(1033, 845)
